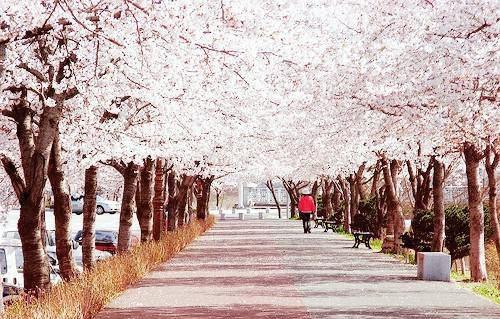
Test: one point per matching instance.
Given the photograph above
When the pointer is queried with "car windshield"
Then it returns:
(106, 236)
(100, 198)
(3, 261)
(11, 234)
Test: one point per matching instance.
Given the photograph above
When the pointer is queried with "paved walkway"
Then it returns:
(271, 269)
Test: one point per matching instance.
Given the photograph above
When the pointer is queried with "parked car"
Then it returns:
(12, 263)
(50, 238)
(107, 240)
(11, 293)
(103, 205)
(50, 244)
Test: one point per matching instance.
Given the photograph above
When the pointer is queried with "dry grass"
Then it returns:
(493, 264)
(85, 296)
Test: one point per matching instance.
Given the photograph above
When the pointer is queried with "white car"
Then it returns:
(50, 243)
(12, 263)
(103, 205)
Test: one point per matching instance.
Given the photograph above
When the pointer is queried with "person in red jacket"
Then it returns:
(307, 208)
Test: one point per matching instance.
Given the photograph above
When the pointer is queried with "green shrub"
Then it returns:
(368, 208)
(457, 230)
(422, 229)
(319, 206)
(457, 239)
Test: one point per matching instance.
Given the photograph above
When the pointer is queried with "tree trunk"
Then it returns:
(35, 160)
(381, 200)
(394, 209)
(145, 201)
(477, 258)
(270, 186)
(181, 209)
(202, 203)
(336, 197)
(354, 196)
(218, 192)
(438, 195)
(293, 192)
(376, 176)
(172, 202)
(190, 199)
(347, 203)
(130, 175)
(159, 199)
(89, 211)
(62, 212)
(359, 183)
(420, 185)
(182, 196)
(327, 197)
(492, 159)
(314, 191)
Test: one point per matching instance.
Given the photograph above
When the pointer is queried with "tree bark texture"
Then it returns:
(145, 200)
(394, 209)
(203, 200)
(34, 160)
(420, 182)
(159, 199)
(327, 196)
(477, 258)
(182, 197)
(375, 178)
(62, 212)
(172, 201)
(438, 199)
(314, 191)
(336, 197)
(359, 182)
(130, 174)
(190, 199)
(89, 212)
(381, 201)
(492, 160)
(347, 203)
(354, 196)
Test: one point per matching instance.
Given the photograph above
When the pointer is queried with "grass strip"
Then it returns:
(86, 295)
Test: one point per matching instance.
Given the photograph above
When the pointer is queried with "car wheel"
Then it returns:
(100, 210)
(78, 212)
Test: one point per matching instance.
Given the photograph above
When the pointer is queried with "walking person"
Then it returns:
(307, 207)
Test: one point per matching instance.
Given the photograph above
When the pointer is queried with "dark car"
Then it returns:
(105, 240)
(11, 293)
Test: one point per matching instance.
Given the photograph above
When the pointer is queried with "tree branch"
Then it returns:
(15, 178)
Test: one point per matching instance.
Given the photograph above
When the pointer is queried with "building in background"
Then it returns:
(257, 194)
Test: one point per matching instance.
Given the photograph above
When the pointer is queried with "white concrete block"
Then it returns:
(242, 216)
(433, 266)
(261, 215)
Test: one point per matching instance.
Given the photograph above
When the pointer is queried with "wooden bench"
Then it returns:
(319, 221)
(362, 237)
(330, 225)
